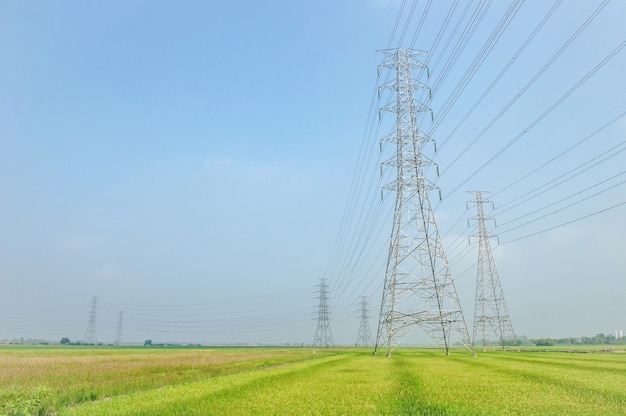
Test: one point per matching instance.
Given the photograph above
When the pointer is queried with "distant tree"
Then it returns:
(544, 342)
(65, 341)
(599, 339)
(147, 343)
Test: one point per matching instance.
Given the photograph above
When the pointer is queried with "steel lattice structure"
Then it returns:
(418, 288)
(491, 314)
(323, 335)
(90, 334)
(364, 337)
(118, 334)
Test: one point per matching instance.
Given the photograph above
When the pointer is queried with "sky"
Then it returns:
(200, 166)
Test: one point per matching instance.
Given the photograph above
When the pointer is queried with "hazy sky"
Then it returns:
(199, 166)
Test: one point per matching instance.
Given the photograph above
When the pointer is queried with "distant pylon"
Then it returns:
(90, 334)
(418, 288)
(118, 334)
(323, 335)
(491, 315)
(364, 338)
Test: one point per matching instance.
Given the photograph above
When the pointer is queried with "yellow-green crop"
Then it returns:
(333, 382)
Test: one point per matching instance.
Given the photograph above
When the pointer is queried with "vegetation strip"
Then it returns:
(341, 381)
(222, 395)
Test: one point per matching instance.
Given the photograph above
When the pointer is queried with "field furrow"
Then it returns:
(341, 381)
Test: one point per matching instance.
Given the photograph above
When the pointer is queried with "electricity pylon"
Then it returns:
(491, 315)
(118, 334)
(90, 333)
(418, 288)
(323, 335)
(364, 338)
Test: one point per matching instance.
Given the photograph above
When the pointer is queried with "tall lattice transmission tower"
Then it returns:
(418, 288)
(90, 334)
(364, 337)
(118, 334)
(491, 315)
(323, 335)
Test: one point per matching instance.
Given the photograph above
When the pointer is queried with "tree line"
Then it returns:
(598, 339)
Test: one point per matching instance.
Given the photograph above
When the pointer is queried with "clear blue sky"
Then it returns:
(193, 164)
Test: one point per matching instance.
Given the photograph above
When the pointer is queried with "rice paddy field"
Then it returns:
(300, 381)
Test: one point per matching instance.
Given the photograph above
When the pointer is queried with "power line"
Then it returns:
(541, 117)
(560, 209)
(567, 223)
(524, 89)
(567, 176)
(479, 59)
(500, 75)
(561, 154)
(571, 196)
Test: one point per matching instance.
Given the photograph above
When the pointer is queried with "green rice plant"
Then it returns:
(78, 375)
(23, 402)
(505, 383)
(308, 388)
(340, 381)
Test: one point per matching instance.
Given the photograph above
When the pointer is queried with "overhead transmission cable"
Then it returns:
(567, 222)
(567, 176)
(351, 222)
(502, 72)
(407, 23)
(473, 24)
(434, 67)
(561, 154)
(439, 36)
(565, 199)
(420, 24)
(541, 117)
(479, 59)
(526, 87)
(560, 209)
(354, 192)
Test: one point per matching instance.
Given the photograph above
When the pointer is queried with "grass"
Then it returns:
(74, 375)
(519, 383)
(312, 387)
(331, 382)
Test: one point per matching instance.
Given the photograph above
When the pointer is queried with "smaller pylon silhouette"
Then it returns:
(90, 333)
(491, 314)
(118, 334)
(364, 338)
(323, 335)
